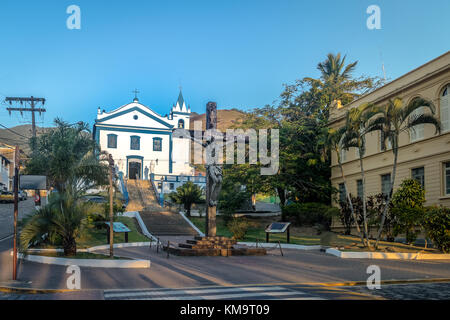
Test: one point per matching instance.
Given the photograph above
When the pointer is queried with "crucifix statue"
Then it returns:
(213, 173)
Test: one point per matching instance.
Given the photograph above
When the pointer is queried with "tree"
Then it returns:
(68, 156)
(356, 126)
(187, 194)
(62, 219)
(407, 209)
(336, 143)
(392, 119)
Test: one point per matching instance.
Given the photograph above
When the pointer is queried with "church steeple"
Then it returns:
(181, 104)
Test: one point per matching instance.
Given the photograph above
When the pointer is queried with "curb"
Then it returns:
(324, 284)
(386, 255)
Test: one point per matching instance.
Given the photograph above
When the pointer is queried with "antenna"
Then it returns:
(382, 66)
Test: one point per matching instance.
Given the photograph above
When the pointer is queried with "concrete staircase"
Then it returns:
(159, 221)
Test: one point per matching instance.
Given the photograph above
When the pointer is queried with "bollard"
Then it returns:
(281, 250)
(157, 245)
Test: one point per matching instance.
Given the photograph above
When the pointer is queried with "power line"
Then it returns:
(32, 101)
(14, 131)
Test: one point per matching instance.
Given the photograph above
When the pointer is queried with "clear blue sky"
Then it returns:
(238, 53)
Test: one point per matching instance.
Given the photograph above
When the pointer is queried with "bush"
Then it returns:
(407, 209)
(238, 227)
(409, 194)
(437, 226)
(308, 214)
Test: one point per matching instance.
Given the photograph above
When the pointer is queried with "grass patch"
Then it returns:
(308, 236)
(256, 231)
(91, 236)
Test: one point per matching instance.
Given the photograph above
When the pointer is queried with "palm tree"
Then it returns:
(187, 194)
(335, 142)
(357, 120)
(63, 218)
(391, 120)
(333, 69)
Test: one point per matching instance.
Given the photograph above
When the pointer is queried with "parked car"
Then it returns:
(95, 199)
(6, 197)
(23, 195)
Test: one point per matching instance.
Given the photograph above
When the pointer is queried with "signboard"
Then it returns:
(33, 182)
(278, 227)
(119, 227)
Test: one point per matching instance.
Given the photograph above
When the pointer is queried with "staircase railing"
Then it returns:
(159, 196)
(123, 188)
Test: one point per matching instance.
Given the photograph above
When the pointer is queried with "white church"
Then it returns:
(142, 144)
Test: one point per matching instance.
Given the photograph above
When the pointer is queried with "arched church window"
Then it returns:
(180, 124)
(445, 108)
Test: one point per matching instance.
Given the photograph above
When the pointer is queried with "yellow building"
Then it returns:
(423, 155)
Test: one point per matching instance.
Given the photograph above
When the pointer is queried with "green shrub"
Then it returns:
(409, 221)
(437, 226)
(308, 214)
(238, 227)
(407, 209)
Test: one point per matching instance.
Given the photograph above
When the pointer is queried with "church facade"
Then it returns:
(141, 141)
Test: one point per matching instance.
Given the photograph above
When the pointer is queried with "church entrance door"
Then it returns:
(134, 170)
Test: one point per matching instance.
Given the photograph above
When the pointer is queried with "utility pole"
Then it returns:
(111, 203)
(32, 101)
(16, 209)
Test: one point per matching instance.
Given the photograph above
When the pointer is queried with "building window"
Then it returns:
(342, 196)
(419, 175)
(445, 109)
(171, 186)
(447, 179)
(386, 184)
(359, 188)
(416, 132)
(112, 141)
(181, 124)
(157, 144)
(135, 143)
(160, 185)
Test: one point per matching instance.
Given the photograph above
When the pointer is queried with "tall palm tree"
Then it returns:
(187, 194)
(391, 120)
(335, 141)
(333, 69)
(357, 120)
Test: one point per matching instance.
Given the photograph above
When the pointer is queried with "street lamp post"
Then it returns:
(16, 209)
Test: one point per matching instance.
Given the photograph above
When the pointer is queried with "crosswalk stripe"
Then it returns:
(187, 291)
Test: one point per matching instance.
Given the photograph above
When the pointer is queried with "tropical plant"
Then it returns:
(187, 194)
(356, 126)
(238, 227)
(437, 226)
(336, 140)
(392, 119)
(68, 156)
(61, 219)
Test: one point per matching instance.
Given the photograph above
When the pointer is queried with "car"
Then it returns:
(23, 195)
(95, 199)
(6, 197)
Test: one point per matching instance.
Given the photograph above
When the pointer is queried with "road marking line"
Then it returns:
(233, 296)
(192, 292)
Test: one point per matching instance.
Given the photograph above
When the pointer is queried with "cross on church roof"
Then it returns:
(135, 94)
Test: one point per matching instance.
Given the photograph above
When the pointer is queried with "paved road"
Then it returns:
(7, 216)
(421, 291)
